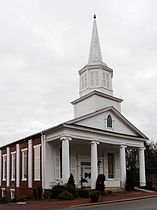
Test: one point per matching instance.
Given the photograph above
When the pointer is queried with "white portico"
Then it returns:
(95, 141)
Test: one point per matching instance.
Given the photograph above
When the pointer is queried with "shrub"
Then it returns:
(130, 181)
(57, 190)
(70, 187)
(83, 193)
(100, 183)
(47, 194)
(94, 196)
(71, 180)
(66, 196)
(4, 200)
(76, 193)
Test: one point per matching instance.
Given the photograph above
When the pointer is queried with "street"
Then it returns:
(142, 204)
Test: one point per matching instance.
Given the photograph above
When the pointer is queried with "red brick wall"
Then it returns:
(23, 189)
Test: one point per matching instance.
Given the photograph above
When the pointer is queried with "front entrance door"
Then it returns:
(85, 174)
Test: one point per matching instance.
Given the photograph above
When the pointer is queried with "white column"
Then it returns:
(8, 166)
(43, 151)
(142, 172)
(65, 159)
(122, 166)
(30, 163)
(0, 167)
(17, 165)
(94, 167)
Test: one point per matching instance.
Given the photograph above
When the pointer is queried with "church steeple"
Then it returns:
(95, 82)
(95, 51)
(96, 75)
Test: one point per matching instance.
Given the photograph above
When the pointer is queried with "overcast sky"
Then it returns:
(43, 44)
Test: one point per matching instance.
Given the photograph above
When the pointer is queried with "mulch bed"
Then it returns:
(55, 203)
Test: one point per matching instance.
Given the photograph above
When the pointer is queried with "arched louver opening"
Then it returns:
(109, 121)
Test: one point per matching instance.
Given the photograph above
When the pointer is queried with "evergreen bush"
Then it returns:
(94, 196)
(70, 187)
(100, 183)
(57, 190)
(66, 196)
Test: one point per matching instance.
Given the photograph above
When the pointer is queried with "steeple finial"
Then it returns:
(94, 16)
(95, 51)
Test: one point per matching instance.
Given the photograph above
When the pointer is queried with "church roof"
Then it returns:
(95, 50)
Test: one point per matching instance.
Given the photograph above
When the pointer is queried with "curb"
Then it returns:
(114, 201)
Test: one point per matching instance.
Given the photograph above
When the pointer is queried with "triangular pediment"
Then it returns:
(98, 120)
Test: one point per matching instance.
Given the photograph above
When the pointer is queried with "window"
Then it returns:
(106, 79)
(4, 166)
(110, 165)
(37, 162)
(82, 82)
(109, 121)
(13, 166)
(12, 193)
(24, 164)
(85, 81)
(94, 78)
(3, 192)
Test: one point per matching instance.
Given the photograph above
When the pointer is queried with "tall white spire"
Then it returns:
(95, 51)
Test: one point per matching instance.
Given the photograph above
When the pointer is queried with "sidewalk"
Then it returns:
(58, 204)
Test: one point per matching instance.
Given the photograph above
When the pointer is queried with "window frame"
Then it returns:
(3, 192)
(37, 177)
(109, 121)
(13, 169)
(4, 167)
(113, 165)
(24, 151)
(11, 193)
(94, 78)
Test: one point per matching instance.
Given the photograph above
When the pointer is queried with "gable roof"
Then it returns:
(116, 112)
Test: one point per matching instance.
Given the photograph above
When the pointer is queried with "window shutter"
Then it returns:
(92, 78)
(96, 78)
(57, 164)
(73, 165)
(105, 166)
(117, 167)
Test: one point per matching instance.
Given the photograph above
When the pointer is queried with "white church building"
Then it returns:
(92, 143)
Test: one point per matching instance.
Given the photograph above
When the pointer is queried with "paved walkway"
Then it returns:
(58, 204)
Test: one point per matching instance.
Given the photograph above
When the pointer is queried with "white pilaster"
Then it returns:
(43, 151)
(65, 159)
(8, 166)
(122, 166)
(30, 163)
(94, 160)
(17, 165)
(142, 172)
(0, 167)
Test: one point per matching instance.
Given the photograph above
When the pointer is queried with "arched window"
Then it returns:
(109, 121)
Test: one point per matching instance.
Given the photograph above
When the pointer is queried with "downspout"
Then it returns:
(43, 143)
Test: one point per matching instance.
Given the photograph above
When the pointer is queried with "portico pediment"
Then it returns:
(98, 120)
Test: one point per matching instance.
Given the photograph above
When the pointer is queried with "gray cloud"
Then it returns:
(44, 43)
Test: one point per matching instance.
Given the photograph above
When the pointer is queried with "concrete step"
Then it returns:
(114, 189)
